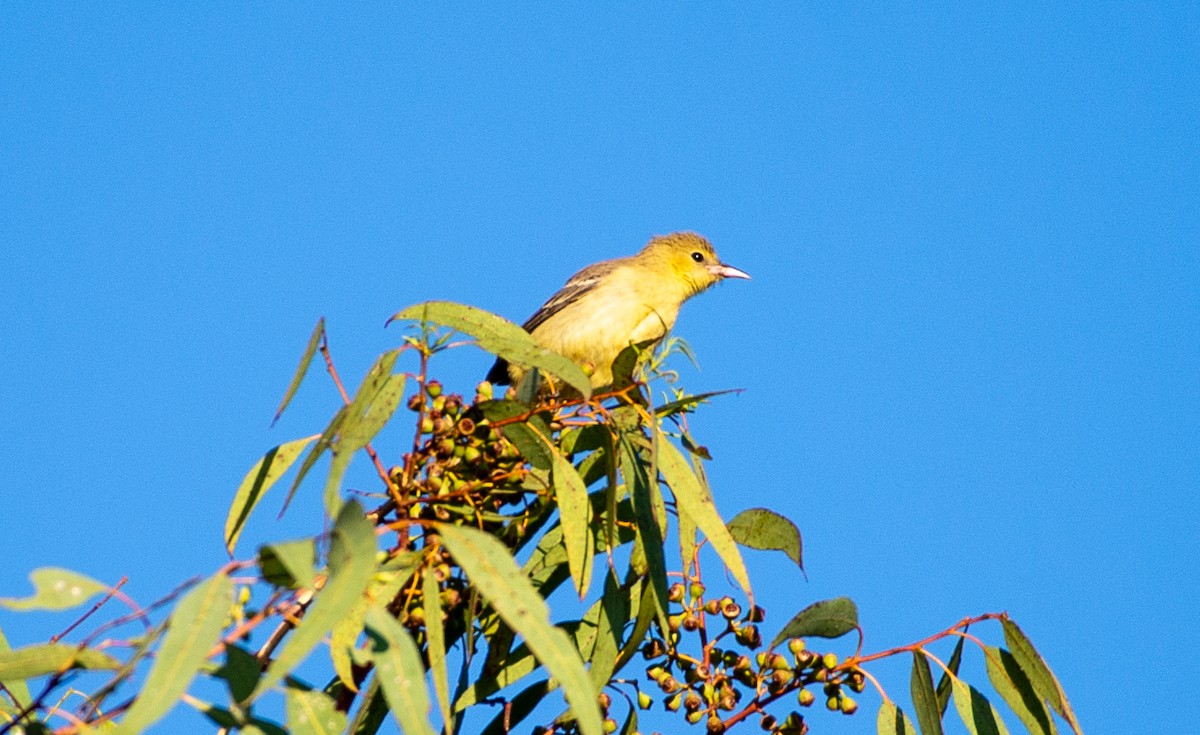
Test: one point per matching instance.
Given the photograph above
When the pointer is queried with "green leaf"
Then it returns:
(302, 369)
(1043, 680)
(435, 636)
(499, 337)
(47, 658)
(694, 499)
(825, 619)
(1013, 685)
(351, 567)
(647, 558)
(371, 714)
(924, 698)
(373, 405)
(759, 528)
(324, 442)
(224, 718)
(288, 564)
(893, 721)
(513, 671)
(612, 615)
(519, 707)
(975, 711)
(195, 626)
(256, 483)
(687, 404)
(55, 589)
(491, 568)
(943, 686)
(574, 514)
(400, 673)
(17, 687)
(241, 672)
(313, 713)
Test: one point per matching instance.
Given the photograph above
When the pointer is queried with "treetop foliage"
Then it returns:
(431, 596)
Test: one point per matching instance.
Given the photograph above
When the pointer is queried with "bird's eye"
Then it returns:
(698, 257)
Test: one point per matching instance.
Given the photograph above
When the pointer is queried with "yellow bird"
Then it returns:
(612, 304)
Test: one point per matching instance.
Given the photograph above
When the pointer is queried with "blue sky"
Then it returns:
(971, 348)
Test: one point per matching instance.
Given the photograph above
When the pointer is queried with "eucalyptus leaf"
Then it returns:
(759, 528)
(491, 568)
(826, 619)
(499, 337)
(55, 589)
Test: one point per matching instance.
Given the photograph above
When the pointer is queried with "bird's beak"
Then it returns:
(721, 270)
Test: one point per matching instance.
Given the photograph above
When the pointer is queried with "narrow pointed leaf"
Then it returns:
(612, 614)
(647, 558)
(826, 619)
(16, 687)
(512, 672)
(1011, 683)
(47, 658)
(435, 635)
(943, 686)
(976, 712)
(923, 696)
(302, 369)
(373, 711)
(499, 337)
(313, 713)
(490, 567)
(400, 673)
(893, 721)
(688, 404)
(55, 589)
(373, 404)
(694, 499)
(255, 484)
(196, 624)
(1043, 680)
(324, 442)
(351, 567)
(574, 514)
(759, 528)
(520, 707)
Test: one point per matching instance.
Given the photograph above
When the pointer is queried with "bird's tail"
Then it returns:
(498, 375)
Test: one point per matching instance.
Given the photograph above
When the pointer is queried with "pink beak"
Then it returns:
(727, 271)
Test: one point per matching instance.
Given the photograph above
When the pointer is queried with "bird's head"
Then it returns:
(689, 259)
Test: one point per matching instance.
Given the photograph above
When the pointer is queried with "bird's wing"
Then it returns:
(578, 285)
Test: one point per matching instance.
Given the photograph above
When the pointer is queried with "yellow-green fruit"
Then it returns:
(694, 717)
(714, 724)
(433, 388)
(806, 698)
(829, 660)
(849, 706)
(610, 725)
(832, 704)
(697, 590)
(796, 645)
(644, 700)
